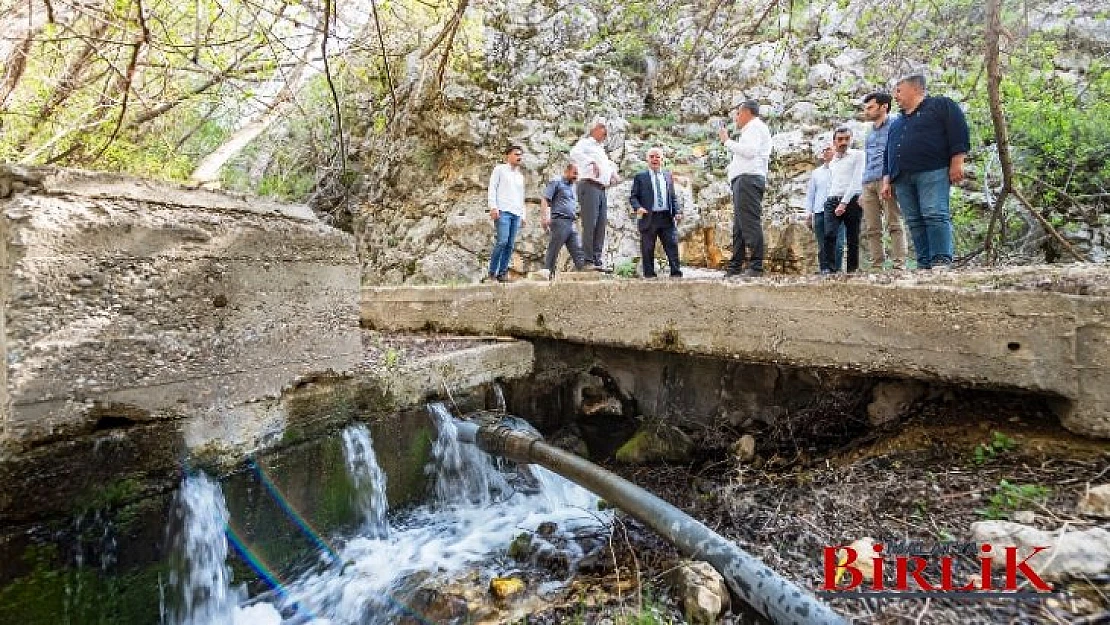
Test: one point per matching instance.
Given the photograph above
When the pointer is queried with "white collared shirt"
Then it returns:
(751, 153)
(846, 179)
(506, 189)
(587, 152)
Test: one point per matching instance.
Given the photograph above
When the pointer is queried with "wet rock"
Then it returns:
(555, 561)
(521, 547)
(1070, 554)
(506, 588)
(744, 449)
(656, 443)
(701, 589)
(437, 607)
(1096, 502)
(570, 439)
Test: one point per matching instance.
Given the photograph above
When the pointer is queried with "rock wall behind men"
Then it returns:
(546, 68)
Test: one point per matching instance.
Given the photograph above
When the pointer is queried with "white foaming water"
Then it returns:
(206, 594)
(475, 516)
(499, 396)
(369, 481)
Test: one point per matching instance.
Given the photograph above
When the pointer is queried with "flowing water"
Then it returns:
(369, 481)
(480, 504)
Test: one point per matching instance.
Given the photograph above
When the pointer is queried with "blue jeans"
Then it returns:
(823, 263)
(508, 225)
(923, 196)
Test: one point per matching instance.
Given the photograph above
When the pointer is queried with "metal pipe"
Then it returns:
(752, 581)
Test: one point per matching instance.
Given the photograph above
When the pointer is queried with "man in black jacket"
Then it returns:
(656, 205)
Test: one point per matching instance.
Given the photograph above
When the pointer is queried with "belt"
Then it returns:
(563, 217)
(593, 182)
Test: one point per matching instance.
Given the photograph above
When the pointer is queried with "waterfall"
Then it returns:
(499, 397)
(204, 593)
(463, 474)
(369, 481)
(204, 590)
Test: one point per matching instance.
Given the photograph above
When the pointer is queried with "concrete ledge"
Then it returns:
(1044, 342)
(318, 406)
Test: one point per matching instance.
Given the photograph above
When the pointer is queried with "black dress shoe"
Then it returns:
(732, 273)
(503, 278)
(651, 275)
(753, 273)
(676, 274)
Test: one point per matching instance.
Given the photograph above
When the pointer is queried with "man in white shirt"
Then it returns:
(842, 204)
(747, 174)
(595, 173)
(816, 193)
(506, 210)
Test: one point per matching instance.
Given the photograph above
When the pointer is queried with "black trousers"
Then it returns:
(851, 219)
(658, 225)
(747, 221)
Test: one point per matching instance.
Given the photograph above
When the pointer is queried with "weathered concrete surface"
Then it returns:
(127, 301)
(1046, 342)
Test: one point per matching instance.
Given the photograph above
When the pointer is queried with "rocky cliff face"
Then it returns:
(667, 78)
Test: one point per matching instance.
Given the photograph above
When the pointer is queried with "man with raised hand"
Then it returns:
(747, 175)
(924, 156)
(596, 173)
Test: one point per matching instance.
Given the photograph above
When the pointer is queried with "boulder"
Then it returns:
(701, 589)
(1070, 554)
(656, 443)
(1096, 502)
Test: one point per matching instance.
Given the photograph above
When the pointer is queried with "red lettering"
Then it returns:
(1013, 566)
(902, 567)
(985, 569)
(947, 566)
(877, 568)
(833, 566)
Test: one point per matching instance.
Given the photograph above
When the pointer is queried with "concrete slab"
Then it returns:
(1006, 333)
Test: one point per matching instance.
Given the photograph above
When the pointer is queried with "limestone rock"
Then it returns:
(1070, 554)
(891, 400)
(702, 590)
(654, 443)
(1096, 502)
(744, 449)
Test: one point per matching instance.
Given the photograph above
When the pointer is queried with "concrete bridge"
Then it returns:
(1044, 330)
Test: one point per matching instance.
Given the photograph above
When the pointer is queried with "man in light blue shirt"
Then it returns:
(876, 108)
(816, 193)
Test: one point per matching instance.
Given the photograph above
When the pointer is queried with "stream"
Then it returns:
(478, 506)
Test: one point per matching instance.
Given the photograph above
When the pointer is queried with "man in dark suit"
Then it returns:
(656, 205)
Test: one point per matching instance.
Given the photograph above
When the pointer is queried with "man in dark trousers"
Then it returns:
(559, 210)
(656, 204)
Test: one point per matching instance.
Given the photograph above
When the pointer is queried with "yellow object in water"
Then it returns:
(504, 588)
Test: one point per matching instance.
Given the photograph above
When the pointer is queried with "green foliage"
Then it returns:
(664, 123)
(392, 358)
(625, 268)
(1009, 497)
(999, 444)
